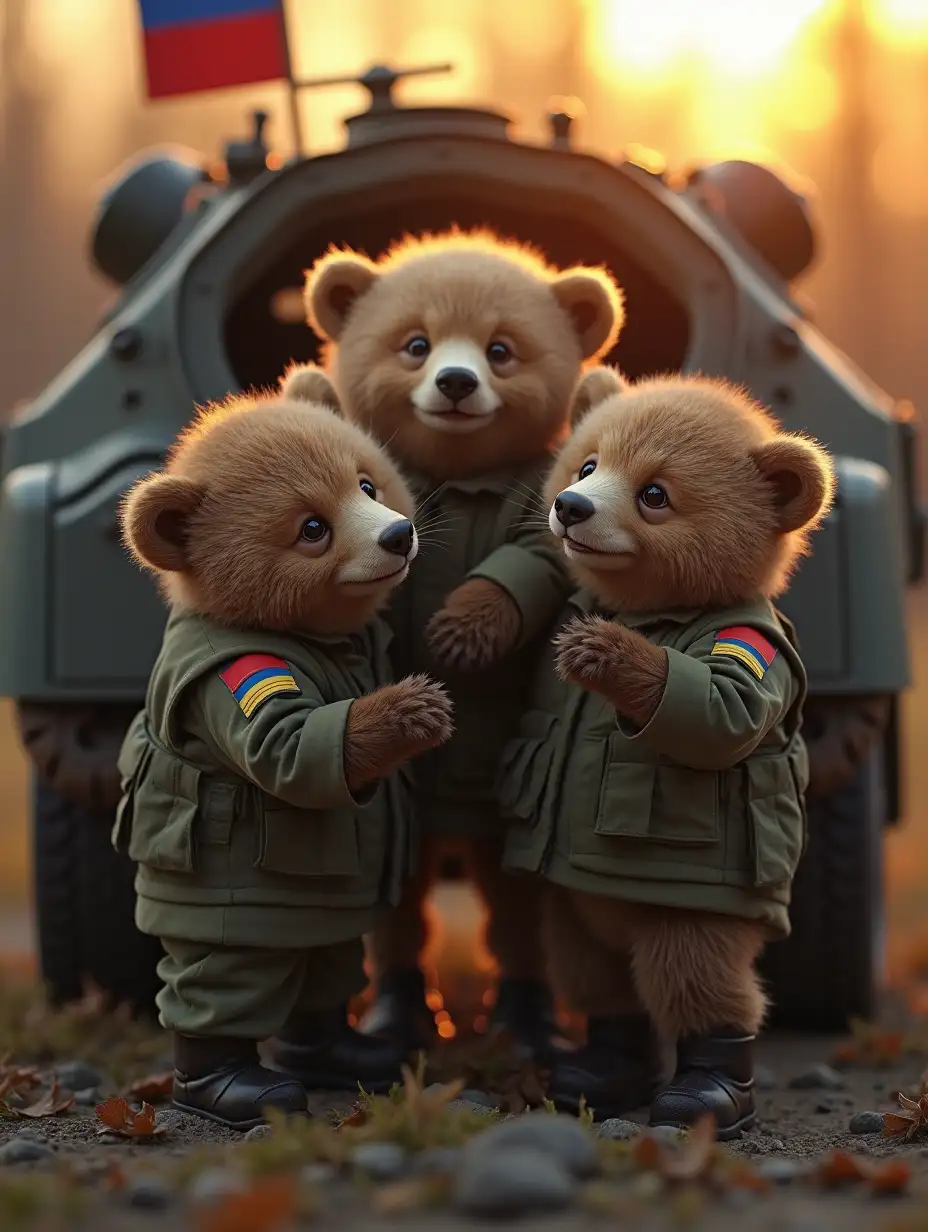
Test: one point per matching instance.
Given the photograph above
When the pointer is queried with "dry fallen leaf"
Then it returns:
(265, 1207)
(912, 1118)
(359, 1115)
(839, 1168)
(891, 1177)
(118, 1117)
(49, 1104)
(154, 1086)
(870, 1045)
(694, 1159)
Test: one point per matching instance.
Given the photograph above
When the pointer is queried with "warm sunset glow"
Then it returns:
(655, 41)
(901, 23)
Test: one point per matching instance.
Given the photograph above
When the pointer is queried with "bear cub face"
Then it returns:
(683, 493)
(460, 350)
(274, 514)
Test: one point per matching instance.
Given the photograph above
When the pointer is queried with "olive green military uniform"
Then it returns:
(489, 526)
(703, 807)
(257, 867)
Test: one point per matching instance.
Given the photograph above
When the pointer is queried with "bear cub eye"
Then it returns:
(417, 347)
(314, 530)
(499, 353)
(653, 497)
(587, 468)
(367, 488)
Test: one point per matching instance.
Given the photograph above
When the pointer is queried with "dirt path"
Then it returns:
(182, 1180)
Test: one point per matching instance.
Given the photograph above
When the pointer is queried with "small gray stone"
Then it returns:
(779, 1171)
(318, 1174)
(147, 1193)
(381, 1161)
(31, 1135)
(513, 1180)
(88, 1098)
(776, 1144)
(215, 1183)
(618, 1130)
(438, 1161)
(78, 1076)
(866, 1123)
(764, 1078)
(467, 1105)
(824, 1106)
(471, 1096)
(558, 1135)
(818, 1078)
(21, 1150)
(259, 1132)
(667, 1133)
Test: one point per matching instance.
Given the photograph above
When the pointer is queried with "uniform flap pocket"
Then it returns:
(523, 766)
(310, 842)
(136, 746)
(166, 802)
(663, 803)
(776, 815)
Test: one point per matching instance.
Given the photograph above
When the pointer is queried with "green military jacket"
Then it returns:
(489, 526)
(704, 806)
(235, 804)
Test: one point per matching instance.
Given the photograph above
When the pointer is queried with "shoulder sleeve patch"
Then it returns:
(747, 646)
(255, 678)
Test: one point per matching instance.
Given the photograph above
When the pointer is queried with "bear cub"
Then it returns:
(461, 353)
(659, 775)
(260, 800)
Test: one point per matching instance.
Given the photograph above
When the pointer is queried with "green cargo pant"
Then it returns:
(250, 993)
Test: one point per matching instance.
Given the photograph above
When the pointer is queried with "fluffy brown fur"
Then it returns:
(691, 971)
(478, 624)
(460, 285)
(221, 528)
(743, 498)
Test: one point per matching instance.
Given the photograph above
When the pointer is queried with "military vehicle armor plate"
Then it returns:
(206, 266)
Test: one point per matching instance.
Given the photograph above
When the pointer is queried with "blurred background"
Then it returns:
(836, 89)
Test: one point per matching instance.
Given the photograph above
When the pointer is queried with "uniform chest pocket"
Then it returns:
(524, 766)
(164, 805)
(309, 842)
(777, 813)
(657, 802)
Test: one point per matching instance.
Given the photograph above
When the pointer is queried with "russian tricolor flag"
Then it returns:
(193, 45)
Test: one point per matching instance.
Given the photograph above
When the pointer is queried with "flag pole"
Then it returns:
(296, 123)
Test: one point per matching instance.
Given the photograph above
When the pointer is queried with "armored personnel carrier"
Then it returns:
(209, 267)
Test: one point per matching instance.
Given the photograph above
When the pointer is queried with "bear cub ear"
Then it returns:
(307, 383)
(333, 285)
(802, 477)
(595, 386)
(155, 520)
(595, 305)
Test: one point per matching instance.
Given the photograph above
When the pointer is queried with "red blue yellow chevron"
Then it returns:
(256, 678)
(747, 646)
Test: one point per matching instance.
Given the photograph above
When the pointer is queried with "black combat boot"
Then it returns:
(617, 1069)
(222, 1080)
(715, 1073)
(400, 1014)
(524, 1009)
(323, 1052)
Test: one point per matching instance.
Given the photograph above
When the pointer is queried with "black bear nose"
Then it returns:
(572, 507)
(456, 383)
(397, 537)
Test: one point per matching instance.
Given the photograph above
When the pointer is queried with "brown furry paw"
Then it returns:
(478, 624)
(607, 658)
(394, 723)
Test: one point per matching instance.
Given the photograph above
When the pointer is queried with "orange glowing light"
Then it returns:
(480, 1023)
(434, 1000)
(489, 997)
(447, 1030)
(901, 23)
(655, 41)
(442, 1016)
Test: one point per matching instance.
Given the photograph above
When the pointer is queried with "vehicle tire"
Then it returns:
(74, 748)
(841, 733)
(830, 968)
(85, 906)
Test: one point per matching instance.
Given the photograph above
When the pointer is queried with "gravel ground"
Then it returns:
(550, 1177)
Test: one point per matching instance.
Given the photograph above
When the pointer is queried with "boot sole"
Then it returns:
(638, 1097)
(239, 1126)
(323, 1082)
(722, 1135)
